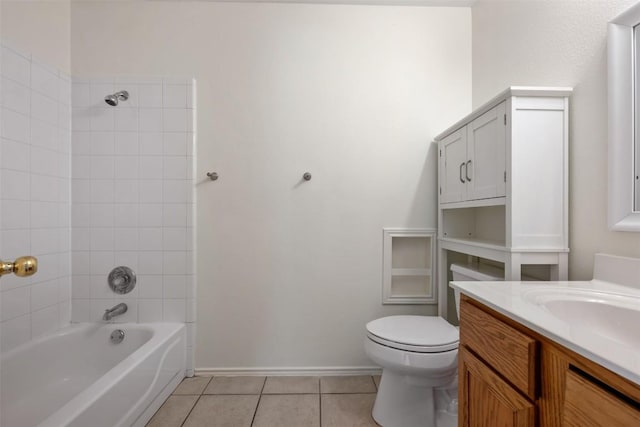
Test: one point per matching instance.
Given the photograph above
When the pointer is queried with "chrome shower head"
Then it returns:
(112, 100)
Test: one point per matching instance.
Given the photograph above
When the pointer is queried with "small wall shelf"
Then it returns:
(409, 259)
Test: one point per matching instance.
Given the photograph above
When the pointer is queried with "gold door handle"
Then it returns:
(21, 267)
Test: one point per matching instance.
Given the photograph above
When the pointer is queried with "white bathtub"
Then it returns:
(78, 378)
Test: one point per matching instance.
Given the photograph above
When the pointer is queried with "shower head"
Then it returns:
(112, 100)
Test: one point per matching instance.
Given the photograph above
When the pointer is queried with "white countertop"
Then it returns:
(508, 298)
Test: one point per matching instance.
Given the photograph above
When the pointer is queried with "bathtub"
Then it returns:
(77, 377)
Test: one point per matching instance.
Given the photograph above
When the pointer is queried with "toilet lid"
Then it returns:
(424, 334)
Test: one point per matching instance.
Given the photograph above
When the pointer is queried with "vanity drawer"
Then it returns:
(584, 402)
(508, 351)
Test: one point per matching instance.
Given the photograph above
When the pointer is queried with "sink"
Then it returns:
(615, 316)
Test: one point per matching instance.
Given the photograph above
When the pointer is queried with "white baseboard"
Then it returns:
(289, 371)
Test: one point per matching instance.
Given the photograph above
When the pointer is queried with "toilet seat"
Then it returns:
(418, 334)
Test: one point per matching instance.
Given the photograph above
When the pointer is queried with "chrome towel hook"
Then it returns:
(306, 176)
(212, 175)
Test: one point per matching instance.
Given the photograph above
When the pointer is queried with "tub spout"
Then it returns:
(117, 310)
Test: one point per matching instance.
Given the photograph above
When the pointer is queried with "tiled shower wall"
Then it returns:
(35, 202)
(132, 192)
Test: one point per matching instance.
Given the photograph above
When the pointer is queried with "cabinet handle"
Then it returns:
(461, 177)
(466, 170)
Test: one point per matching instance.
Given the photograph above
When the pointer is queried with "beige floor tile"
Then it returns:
(353, 410)
(173, 411)
(223, 411)
(376, 379)
(347, 384)
(292, 385)
(288, 410)
(194, 385)
(235, 385)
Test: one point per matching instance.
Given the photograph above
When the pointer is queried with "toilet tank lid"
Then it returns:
(482, 272)
(422, 331)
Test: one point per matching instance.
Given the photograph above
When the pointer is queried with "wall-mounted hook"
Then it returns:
(212, 175)
(306, 176)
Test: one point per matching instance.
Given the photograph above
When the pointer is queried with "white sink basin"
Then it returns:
(615, 316)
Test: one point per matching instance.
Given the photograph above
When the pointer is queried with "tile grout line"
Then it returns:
(255, 412)
(195, 403)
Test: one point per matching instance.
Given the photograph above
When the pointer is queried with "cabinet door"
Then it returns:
(453, 158)
(486, 400)
(486, 166)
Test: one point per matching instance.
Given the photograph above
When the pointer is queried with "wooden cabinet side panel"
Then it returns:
(486, 400)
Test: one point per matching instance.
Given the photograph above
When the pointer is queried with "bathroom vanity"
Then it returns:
(541, 354)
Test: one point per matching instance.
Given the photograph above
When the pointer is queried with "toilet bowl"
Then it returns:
(419, 358)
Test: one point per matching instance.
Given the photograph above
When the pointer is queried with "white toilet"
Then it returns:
(419, 359)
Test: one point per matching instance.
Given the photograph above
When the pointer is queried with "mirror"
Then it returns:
(624, 118)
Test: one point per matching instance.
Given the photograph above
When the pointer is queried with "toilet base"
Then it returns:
(403, 402)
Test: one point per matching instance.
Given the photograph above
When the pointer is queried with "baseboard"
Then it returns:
(318, 371)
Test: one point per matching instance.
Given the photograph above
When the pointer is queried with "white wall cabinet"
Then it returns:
(472, 159)
(503, 184)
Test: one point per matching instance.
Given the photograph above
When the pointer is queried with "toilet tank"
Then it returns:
(474, 273)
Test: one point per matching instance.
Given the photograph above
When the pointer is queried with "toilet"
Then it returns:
(419, 360)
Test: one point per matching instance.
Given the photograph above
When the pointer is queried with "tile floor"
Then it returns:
(270, 402)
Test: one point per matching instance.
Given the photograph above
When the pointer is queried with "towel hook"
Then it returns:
(306, 176)
(212, 175)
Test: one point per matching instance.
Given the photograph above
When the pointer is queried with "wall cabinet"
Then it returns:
(512, 376)
(503, 184)
(472, 159)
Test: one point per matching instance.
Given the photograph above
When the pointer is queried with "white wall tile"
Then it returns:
(44, 108)
(101, 262)
(44, 80)
(44, 321)
(80, 142)
(102, 215)
(126, 215)
(44, 135)
(100, 287)
(174, 96)
(14, 214)
(150, 95)
(151, 167)
(15, 332)
(149, 310)
(174, 239)
(127, 191)
(174, 310)
(151, 143)
(64, 314)
(126, 143)
(126, 119)
(175, 143)
(15, 303)
(175, 262)
(44, 188)
(152, 215)
(175, 191)
(102, 143)
(81, 287)
(151, 191)
(41, 163)
(43, 215)
(16, 66)
(44, 294)
(102, 191)
(102, 240)
(174, 120)
(150, 262)
(44, 241)
(126, 239)
(174, 215)
(102, 119)
(150, 238)
(150, 286)
(151, 120)
(102, 167)
(175, 168)
(174, 287)
(127, 168)
(15, 126)
(15, 96)
(15, 155)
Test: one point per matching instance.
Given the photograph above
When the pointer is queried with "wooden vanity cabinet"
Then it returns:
(510, 375)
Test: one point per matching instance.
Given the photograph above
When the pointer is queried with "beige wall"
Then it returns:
(41, 28)
(290, 272)
(559, 43)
